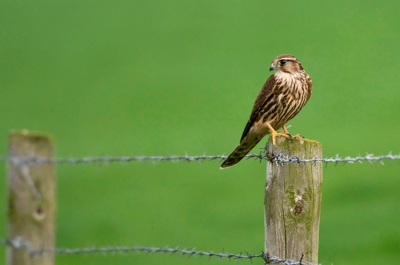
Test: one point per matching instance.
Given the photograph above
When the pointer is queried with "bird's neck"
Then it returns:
(290, 76)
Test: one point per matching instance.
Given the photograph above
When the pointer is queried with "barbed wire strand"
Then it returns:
(277, 158)
(20, 243)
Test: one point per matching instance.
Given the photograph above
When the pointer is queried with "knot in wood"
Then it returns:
(298, 208)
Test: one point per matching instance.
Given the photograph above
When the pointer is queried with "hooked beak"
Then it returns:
(272, 67)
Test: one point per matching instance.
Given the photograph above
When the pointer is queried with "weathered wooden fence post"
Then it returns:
(31, 199)
(293, 195)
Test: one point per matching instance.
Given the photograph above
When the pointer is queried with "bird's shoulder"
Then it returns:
(267, 90)
(264, 96)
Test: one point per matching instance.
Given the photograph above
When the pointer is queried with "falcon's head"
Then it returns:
(286, 63)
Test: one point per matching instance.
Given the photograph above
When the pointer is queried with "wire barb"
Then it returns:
(277, 158)
(20, 243)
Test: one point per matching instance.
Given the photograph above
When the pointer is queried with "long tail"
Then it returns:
(245, 146)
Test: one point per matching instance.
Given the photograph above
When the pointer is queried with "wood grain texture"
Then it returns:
(293, 195)
(31, 199)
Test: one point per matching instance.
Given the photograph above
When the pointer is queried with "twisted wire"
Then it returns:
(20, 243)
(277, 158)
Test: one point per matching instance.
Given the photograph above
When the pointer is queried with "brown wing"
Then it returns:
(262, 98)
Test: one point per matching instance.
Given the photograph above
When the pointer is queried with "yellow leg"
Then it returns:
(275, 134)
(285, 130)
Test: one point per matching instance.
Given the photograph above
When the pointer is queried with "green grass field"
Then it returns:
(176, 77)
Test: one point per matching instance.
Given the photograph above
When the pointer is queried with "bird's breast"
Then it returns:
(290, 94)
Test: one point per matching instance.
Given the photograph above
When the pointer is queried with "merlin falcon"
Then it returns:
(281, 98)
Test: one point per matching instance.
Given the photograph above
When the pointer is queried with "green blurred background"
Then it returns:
(176, 77)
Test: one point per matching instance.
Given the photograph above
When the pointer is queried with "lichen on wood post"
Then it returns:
(31, 199)
(292, 203)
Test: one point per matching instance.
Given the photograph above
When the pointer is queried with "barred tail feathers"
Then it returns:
(245, 146)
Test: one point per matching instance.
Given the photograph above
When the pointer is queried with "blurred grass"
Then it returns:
(147, 78)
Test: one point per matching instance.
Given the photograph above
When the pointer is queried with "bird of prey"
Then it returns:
(281, 98)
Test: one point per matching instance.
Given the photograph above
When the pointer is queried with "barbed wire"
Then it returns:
(277, 158)
(122, 159)
(20, 243)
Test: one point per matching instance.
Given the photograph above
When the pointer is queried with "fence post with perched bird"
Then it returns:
(292, 203)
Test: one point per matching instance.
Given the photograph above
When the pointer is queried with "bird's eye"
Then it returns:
(283, 62)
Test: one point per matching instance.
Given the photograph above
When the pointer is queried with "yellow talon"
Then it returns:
(274, 133)
(297, 136)
(285, 130)
(285, 134)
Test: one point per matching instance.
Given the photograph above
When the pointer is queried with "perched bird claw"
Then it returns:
(274, 134)
(287, 132)
(291, 137)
